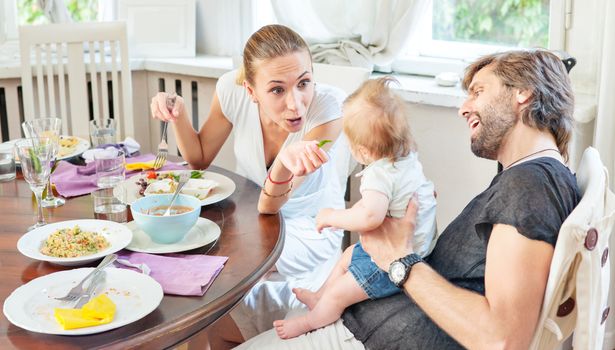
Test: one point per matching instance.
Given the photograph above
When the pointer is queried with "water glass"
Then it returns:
(7, 164)
(102, 132)
(110, 204)
(36, 155)
(110, 167)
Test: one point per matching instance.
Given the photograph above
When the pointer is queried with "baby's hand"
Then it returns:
(322, 219)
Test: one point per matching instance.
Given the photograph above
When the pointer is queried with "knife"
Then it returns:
(89, 291)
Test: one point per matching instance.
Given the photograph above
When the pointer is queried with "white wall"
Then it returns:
(222, 27)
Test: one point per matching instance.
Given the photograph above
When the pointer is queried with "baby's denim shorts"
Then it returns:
(371, 278)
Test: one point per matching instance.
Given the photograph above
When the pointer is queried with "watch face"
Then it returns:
(398, 272)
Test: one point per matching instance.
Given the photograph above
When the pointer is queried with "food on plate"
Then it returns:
(161, 209)
(163, 183)
(163, 186)
(68, 144)
(99, 310)
(73, 242)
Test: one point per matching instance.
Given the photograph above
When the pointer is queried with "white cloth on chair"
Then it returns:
(578, 285)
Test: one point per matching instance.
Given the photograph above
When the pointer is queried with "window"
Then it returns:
(8, 26)
(457, 31)
(29, 11)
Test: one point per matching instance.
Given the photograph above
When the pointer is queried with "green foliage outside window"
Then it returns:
(523, 23)
(29, 11)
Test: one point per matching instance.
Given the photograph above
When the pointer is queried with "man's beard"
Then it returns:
(495, 123)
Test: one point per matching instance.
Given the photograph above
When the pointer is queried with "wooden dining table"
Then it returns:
(252, 242)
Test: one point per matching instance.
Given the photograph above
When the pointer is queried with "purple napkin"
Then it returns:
(70, 183)
(73, 180)
(179, 274)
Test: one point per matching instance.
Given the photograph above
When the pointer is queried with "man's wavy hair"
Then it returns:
(551, 105)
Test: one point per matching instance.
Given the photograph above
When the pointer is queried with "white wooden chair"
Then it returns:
(58, 61)
(576, 298)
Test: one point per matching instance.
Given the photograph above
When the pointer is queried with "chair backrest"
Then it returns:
(348, 79)
(576, 298)
(58, 61)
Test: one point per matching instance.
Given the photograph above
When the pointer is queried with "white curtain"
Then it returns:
(55, 11)
(603, 139)
(360, 33)
(605, 120)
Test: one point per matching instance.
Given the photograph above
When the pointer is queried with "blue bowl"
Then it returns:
(165, 229)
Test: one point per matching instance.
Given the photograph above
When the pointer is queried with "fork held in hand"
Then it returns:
(163, 147)
(78, 290)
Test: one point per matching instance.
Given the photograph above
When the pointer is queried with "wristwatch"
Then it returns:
(399, 270)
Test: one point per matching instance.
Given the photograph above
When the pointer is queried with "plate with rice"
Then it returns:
(74, 242)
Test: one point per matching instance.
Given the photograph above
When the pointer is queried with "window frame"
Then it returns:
(431, 57)
(8, 15)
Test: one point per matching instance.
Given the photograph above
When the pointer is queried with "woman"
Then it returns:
(277, 115)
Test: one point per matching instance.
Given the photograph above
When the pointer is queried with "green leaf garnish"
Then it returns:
(36, 163)
(323, 142)
(195, 174)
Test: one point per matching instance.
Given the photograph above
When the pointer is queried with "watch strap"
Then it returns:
(411, 259)
(408, 261)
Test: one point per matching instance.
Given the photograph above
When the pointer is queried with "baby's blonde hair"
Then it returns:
(382, 125)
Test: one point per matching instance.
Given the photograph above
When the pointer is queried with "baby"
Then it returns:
(375, 123)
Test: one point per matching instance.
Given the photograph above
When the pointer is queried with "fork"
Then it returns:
(163, 147)
(78, 290)
(89, 291)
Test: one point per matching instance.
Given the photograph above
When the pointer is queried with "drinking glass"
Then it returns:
(46, 127)
(7, 163)
(110, 204)
(36, 156)
(102, 132)
(110, 167)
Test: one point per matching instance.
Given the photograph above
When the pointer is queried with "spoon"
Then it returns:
(183, 179)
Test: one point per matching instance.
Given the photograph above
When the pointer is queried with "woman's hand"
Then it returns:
(393, 239)
(161, 111)
(303, 157)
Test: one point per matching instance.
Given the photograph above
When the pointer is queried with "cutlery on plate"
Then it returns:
(183, 179)
(142, 267)
(78, 290)
(89, 291)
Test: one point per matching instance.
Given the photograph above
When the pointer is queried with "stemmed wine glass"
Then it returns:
(46, 127)
(36, 155)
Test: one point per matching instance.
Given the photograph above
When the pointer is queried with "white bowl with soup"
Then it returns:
(148, 214)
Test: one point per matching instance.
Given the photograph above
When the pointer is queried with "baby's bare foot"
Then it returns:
(307, 297)
(287, 329)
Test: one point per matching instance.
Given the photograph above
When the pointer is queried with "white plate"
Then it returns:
(202, 233)
(31, 305)
(225, 187)
(118, 235)
(81, 146)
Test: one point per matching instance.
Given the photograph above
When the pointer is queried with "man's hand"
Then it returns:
(393, 239)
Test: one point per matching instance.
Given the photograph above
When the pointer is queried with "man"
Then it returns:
(483, 284)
